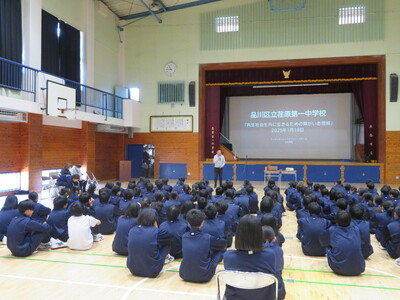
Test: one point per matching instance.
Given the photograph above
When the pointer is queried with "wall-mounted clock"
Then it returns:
(170, 68)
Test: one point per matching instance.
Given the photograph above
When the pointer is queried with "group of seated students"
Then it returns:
(153, 225)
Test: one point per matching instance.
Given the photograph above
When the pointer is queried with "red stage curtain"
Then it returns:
(213, 108)
(369, 111)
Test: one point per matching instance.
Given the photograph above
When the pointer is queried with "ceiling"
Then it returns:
(131, 9)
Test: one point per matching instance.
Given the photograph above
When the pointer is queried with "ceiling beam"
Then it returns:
(170, 8)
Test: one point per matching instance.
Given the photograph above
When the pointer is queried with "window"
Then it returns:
(171, 92)
(134, 94)
(10, 182)
(351, 15)
(227, 24)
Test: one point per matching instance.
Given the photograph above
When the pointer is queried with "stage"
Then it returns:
(320, 171)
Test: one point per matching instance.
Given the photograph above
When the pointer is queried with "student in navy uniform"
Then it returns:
(267, 207)
(269, 220)
(339, 186)
(7, 213)
(222, 206)
(166, 186)
(185, 207)
(310, 229)
(201, 251)
(250, 256)
(107, 214)
(173, 200)
(148, 193)
(382, 219)
(175, 228)
(353, 197)
(391, 236)
(303, 212)
(148, 246)
(242, 200)
(185, 194)
(115, 196)
(125, 224)
(87, 204)
(233, 210)
(212, 225)
(128, 195)
(160, 188)
(343, 242)
(371, 188)
(294, 199)
(24, 235)
(219, 195)
(179, 185)
(253, 199)
(58, 219)
(201, 204)
(40, 212)
(357, 213)
(269, 240)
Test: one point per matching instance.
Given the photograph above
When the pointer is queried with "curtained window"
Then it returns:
(10, 43)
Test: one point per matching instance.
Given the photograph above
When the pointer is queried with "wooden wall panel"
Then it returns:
(109, 151)
(88, 137)
(11, 151)
(35, 153)
(173, 148)
(392, 157)
(61, 145)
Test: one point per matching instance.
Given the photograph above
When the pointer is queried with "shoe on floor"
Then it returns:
(98, 237)
(397, 261)
(4, 241)
(58, 244)
(44, 246)
(381, 247)
(284, 214)
(169, 259)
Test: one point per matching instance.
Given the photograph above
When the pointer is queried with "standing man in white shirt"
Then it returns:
(219, 163)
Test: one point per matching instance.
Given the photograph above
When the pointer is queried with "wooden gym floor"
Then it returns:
(100, 274)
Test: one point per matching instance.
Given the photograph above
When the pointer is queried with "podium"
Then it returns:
(124, 170)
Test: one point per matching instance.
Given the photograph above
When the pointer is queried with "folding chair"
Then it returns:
(91, 179)
(246, 280)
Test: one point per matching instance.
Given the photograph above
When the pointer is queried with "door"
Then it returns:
(134, 153)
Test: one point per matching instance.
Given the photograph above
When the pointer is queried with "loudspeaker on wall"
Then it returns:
(394, 87)
(192, 94)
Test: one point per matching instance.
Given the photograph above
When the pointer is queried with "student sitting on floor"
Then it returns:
(352, 197)
(343, 242)
(357, 213)
(185, 207)
(219, 195)
(222, 207)
(160, 188)
(125, 223)
(310, 229)
(25, 235)
(201, 251)
(176, 228)
(250, 256)
(202, 203)
(242, 200)
(106, 213)
(233, 210)
(212, 225)
(87, 204)
(185, 194)
(79, 228)
(391, 236)
(115, 196)
(253, 199)
(179, 185)
(295, 198)
(128, 195)
(166, 186)
(267, 207)
(148, 246)
(40, 212)
(382, 219)
(269, 220)
(58, 220)
(269, 240)
(7, 213)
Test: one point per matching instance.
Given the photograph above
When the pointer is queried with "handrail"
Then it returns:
(233, 145)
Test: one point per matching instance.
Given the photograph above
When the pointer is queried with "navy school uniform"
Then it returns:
(148, 247)
(309, 230)
(243, 202)
(279, 268)
(149, 195)
(253, 202)
(214, 227)
(209, 189)
(391, 238)
(40, 213)
(277, 216)
(178, 188)
(24, 235)
(115, 200)
(123, 204)
(246, 261)
(108, 215)
(235, 213)
(352, 198)
(379, 221)
(323, 200)
(120, 242)
(280, 239)
(201, 254)
(168, 188)
(366, 247)
(183, 197)
(344, 250)
(330, 210)
(6, 215)
(302, 213)
(169, 203)
(176, 229)
(228, 228)
(294, 200)
(58, 220)
(216, 198)
(165, 193)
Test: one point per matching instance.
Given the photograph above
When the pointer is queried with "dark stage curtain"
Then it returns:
(370, 115)
(69, 52)
(213, 107)
(50, 45)
(10, 42)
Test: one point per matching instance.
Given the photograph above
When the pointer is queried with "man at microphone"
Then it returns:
(219, 163)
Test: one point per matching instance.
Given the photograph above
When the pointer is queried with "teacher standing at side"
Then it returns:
(219, 163)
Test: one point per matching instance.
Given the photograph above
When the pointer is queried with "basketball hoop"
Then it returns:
(64, 110)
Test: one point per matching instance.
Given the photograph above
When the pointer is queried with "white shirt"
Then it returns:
(219, 161)
(75, 170)
(80, 235)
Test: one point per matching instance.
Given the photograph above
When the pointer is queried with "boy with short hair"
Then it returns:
(391, 236)
(25, 235)
(107, 214)
(201, 251)
(213, 225)
(40, 212)
(58, 220)
(79, 228)
(343, 242)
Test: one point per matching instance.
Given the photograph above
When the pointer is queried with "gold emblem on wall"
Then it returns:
(286, 74)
